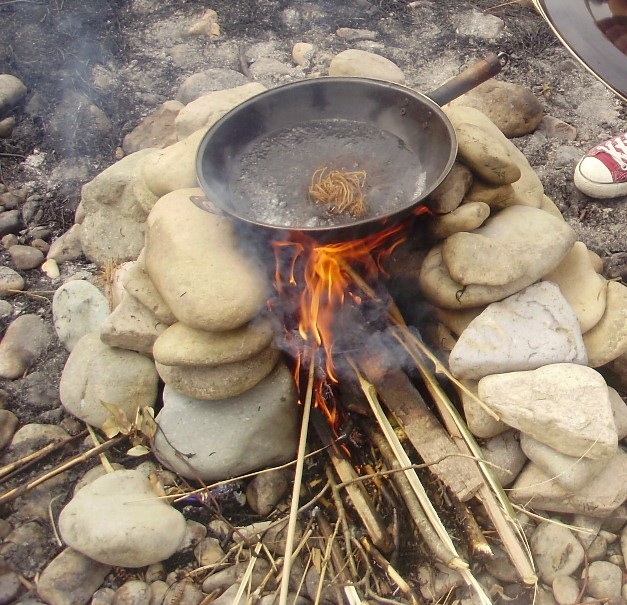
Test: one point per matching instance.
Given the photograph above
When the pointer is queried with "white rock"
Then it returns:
(360, 63)
(12, 91)
(26, 338)
(619, 409)
(533, 328)
(67, 247)
(10, 280)
(302, 53)
(119, 519)
(556, 551)
(564, 405)
(605, 580)
(565, 590)
(78, 308)
(480, 422)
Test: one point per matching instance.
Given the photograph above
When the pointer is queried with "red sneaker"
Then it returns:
(602, 173)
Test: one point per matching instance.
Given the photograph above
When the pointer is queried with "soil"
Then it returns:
(127, 57)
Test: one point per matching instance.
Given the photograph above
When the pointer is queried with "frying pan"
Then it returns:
(256, 163)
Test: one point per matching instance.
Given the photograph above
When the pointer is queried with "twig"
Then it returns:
(24, 489)
(32, 294)
(586, 577)
(298, 476)
(103, 459)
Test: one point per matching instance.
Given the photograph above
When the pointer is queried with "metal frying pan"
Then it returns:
(595, 32)
(256, 163)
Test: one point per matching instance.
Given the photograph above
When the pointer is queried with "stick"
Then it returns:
(103, 459)
(302, 445)
(24, 489)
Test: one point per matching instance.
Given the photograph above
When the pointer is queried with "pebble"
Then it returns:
(26, 257)
(223, 579)
(257, 429)
(302, 53)
(158, 591)
(266, 490)
(9, 240)
(96, 372)
(10, 280)
(133, 592)
(222, 294)
(364, 64)
(563, 405)
(209, 80)
(479, 421)
(468, 217)
(70, 578)
(8, 425)
(6, 127)
(208, 551)
(67, 247)
(6, 309)
(505, 453)
(605, 580)
(136, 282)
(103, 596)
(556, 551)
(10, 222)
(51, 268)
(496, 260)
(184, 593)
(156, 131)
(119, 520)
(565, 590)
(78, 308)
(597, 549)
(12, 91)
(525, 331)
(25, 340)
(450, 193)
(10, 586)
(619, 409)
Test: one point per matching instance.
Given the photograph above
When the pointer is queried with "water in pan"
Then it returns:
(269, 182)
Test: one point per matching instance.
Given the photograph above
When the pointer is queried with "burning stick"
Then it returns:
(340, 191)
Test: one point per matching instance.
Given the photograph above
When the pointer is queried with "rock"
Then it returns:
(207, 26)
(26, 257)
(265, 491)
(8, 424)
(9, 240)
(360, 63)
(103, 596)
(563, 405)
(556, 129)
(71, 579)
(67, 247)
(155, 131)
(131, 326)
(607, 340)
(208, 551)
(78, 308)
(10, 281)
(32, 437)
(133, 592)
(525, 331)
(597, 549)
(513, 108)
(204, 277)
(119, 519)
(478, 24)
(10, 586)
(565, 590)
(10, 222)
(496, 260)
(555, 550)
(227, 438)
(590, 527)
(40, 245)
(6, 309)
(465, 218)
(223, 579)
(583, 288)
(505, 453)
(180, 345)
(599, 498)
(6, 127)
(605, 580)
(194, 533)
(619, 409)
(96, 373)
(209, 80)
(12, 91)
(26, 338)
(570, 473)
(208, 109)
(452, 190)
(480, 422)
(136, 282)
(184, 592)
(302, 53)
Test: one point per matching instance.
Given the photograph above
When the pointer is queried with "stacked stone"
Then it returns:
(529, 316)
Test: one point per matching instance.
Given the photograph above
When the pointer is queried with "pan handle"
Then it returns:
(468, 79)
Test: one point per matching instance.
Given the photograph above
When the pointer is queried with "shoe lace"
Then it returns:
(617, 149)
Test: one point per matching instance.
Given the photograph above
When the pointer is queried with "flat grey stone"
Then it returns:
(556, 551)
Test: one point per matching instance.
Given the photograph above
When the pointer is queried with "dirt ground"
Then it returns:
(127, 57)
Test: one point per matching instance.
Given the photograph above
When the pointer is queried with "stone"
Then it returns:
(220, 381)
(480, 421)
(599, 498)
(505, 453)
(95, 373)
(513, 108)
(495, 196)
(194, 533)
(185, 592)
(565, 590)
(10, 222)
(8, 425)
(227, 438)
(131, 326)
(203, 275)
(32, 437)
(208, 80)
(181, 345)
(78, 308)
(583, 288)
(525, 331)
(208, 551)
(208, 109)
(569, 472)
(496, 260)
(6, 127)
(556, 129)
(449, 194)
(25, 340)
(607, 340)
(26, 257)
(364, 64)
(588, 527)
(156, 131)
(136, 282)
(120, 520)
(266, 490)
(605, 580)
(12, 91)
(563, 405)
(10, 586)
(207, 26)
(103, 596)
(6, 309)
(597, 549)
(465, 218)
(67, 247)
(478, 24)
(133, 592)
(70, 579)
(9, 240)
(302, 53)
(10, 281)
(223, 579)
(555, 550)
(619, 409)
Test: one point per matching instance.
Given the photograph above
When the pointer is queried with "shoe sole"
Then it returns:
(598, 190)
